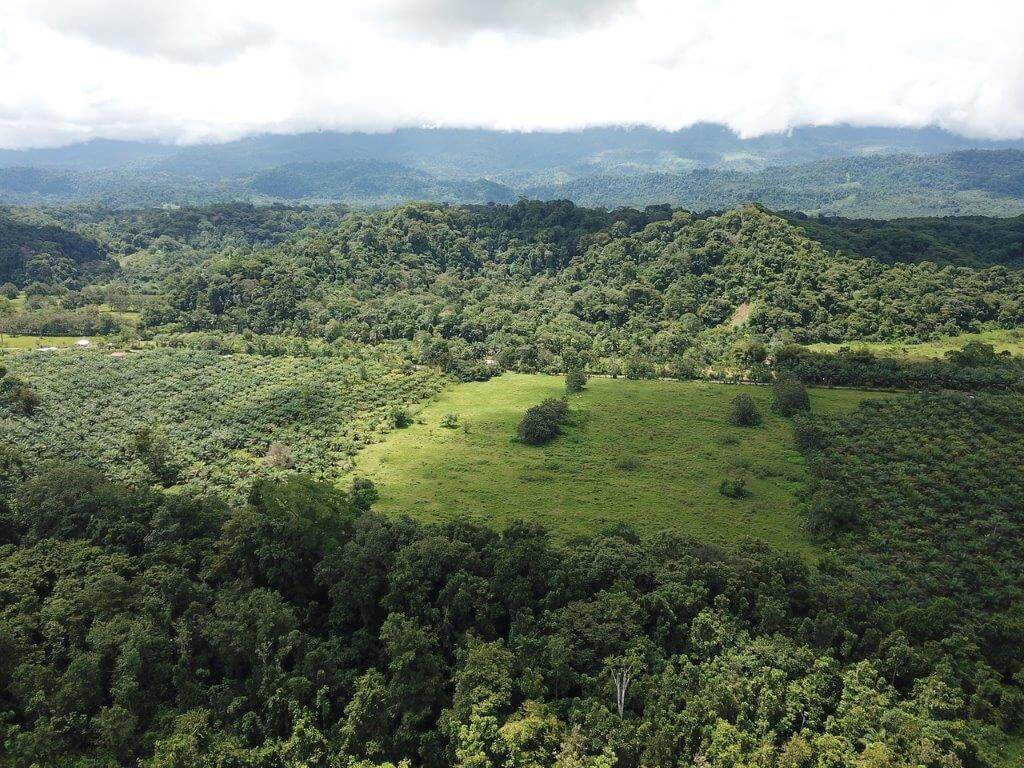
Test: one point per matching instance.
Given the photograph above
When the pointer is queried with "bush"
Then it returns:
(639, 368)
(400, 417)
(743, 412)
(17, 394)
(575, 381)
(734, 488)
(541, 423)
(808, 434)
(154, 449)
(363, 493)
(279, 456)
(450, 421)
(789, 397)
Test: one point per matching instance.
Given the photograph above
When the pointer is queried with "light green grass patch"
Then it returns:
(1011, 341)
(648, 453)
(9, 341)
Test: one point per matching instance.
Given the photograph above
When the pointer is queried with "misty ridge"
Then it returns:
(879, 172)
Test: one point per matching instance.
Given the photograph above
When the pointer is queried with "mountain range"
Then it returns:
(875, 172)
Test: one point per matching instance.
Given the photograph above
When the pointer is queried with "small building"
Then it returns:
(83, 343)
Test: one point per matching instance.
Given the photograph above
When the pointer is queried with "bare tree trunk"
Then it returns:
(621, 676)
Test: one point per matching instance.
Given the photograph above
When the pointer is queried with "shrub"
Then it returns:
(400, 417)
(629, 464)
(743, 412)
(808, 434)
(575, 381)
(363, 493)
(450, 421)
(541, 423)
(153, 448)
(789, 396)
(734, 488)
(17, 394)
(279, 456)
(639, 368)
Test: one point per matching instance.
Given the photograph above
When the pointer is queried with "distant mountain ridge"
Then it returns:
(855, 172)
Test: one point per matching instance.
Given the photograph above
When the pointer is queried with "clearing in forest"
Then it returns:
(649, 453)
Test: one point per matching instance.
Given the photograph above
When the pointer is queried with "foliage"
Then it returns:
(17, 394)
(976, 366)
(400, 417)
(543, 423)
(168, 630)
(789, 396)
(970, 241)
(927, 491)
(743, 412)
(217, 414)
(575, 381)
(733, 487)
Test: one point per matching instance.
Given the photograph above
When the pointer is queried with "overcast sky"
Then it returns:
(201, 70)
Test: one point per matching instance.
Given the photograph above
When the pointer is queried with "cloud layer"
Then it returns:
(194, 70)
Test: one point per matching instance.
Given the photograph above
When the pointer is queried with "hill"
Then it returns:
(842, 170)
(975, 241)
(48, 254)
(955, 184)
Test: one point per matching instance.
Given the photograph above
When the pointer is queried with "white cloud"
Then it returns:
(195, 70)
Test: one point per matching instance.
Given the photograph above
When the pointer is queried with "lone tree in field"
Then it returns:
(575, 381)
(542, 423)
(789, 397)
(743, 412)
(363, 493)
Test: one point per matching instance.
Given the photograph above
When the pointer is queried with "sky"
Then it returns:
(190, 71)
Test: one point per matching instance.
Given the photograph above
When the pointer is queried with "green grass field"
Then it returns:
(650, 453)
(1011, 341)
(14, 341)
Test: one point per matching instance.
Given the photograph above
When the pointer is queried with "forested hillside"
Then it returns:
(527, 281)
(48, 254)
(200, 567)
(957, 184)
(973, 241)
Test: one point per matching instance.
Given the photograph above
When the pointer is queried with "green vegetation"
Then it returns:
(975, 366)
(214, 417)
(968, 183)
(647, 453)
(1009, 340)
(970, 241)
(743, 412)
(15, 342)
(527, 569)
(528, 283)
(543, 423)
(926, 493)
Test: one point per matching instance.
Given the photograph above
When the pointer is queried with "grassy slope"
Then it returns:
(1008, 340)
(584, 480)
(9, 341)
